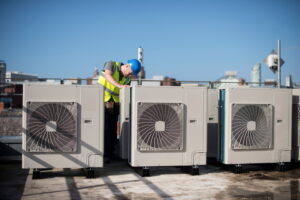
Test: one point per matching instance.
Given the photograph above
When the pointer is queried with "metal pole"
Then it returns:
(140, 79)
(141, 59)
(279, 64)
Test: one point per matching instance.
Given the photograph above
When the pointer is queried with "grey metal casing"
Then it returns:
(296, 124)
(212, 123)
(90, 126)
(124, 122)
(281, 101)
(194, 99)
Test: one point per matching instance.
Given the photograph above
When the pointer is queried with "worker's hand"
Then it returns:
(124, 86)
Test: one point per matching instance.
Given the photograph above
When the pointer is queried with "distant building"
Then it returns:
(11, 96)
(20, 77)
(256, 75)
(72, 81)
(170, 82)
(158, 77)
(192, 84)
(288, 81)
(229, 80)
(12, 91)
(2, 71)
(51, 81)
(270, 83)
(157, 81)
(94, 79)
(2, 74)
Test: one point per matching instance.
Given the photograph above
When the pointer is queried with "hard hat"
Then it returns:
(135, 66)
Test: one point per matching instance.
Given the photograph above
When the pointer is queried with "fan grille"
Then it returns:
(160, 126)
(51, 127)
(252, 126)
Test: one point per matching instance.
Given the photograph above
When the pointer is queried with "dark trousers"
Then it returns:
(110, 129)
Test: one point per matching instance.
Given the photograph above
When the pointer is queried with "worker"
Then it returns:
(114, 76)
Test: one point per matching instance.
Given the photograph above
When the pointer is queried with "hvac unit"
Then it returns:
(124, 122)
(62, 127)
(255, 126)
(296, 124)
(168, 127)
(212, 123)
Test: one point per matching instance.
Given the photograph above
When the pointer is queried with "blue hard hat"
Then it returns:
(135, 66)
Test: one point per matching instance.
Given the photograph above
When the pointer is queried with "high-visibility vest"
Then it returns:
(110, 90)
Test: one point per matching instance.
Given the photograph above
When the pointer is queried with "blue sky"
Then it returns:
(187, 40)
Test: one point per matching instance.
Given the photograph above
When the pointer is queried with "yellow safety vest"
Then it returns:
(110, 90)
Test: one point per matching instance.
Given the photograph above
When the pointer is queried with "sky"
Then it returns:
(190, 40)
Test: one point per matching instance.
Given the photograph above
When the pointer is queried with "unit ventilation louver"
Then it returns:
(51, 127)
(160, 126)
(252, 126)
(296, 113)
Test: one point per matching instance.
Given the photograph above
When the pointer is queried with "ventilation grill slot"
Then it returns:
(51, 127)
(160, 127)
(252, 126)
(296, 124)
(298, 116)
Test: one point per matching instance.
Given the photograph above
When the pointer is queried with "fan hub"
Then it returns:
(160, 126)
(51, 126)
(251, 126)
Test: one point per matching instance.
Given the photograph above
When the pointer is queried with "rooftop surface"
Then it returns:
(117, 180)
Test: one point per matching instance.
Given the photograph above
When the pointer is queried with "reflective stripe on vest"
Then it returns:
(110, 90)
(127, 81)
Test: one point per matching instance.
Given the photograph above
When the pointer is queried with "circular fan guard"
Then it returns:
(261, 136)
(52, 127)
(170, 137)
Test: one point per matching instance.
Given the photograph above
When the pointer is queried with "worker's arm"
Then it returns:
(109, 78)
